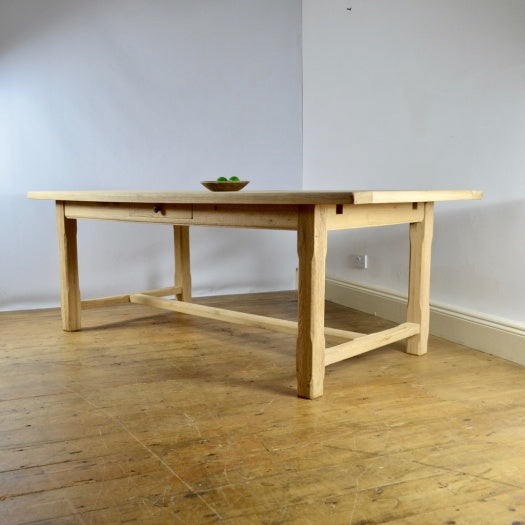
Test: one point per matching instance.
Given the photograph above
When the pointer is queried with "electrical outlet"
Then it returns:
(359, 261)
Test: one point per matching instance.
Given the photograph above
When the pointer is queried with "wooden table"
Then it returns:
(311, 214)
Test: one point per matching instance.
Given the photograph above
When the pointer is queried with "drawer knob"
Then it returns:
(158, 209)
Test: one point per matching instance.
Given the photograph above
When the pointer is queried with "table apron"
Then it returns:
(278, 217)
(275, 217)
(348, 216)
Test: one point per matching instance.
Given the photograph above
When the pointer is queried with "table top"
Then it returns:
(258, 197)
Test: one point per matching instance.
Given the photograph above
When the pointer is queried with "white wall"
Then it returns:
(153, 95)
(423, 94)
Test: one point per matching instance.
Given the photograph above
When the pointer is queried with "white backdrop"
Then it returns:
(143, 94)
(427, 95)
(137, 94)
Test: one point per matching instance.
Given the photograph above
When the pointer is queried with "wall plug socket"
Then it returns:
(359, 261)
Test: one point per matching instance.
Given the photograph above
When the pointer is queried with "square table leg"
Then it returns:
(181, 235)
(418, 309)
(310, 352)
(69, 285)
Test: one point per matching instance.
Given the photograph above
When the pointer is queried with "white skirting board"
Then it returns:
(494, 336)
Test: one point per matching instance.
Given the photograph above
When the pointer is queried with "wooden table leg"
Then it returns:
(181, 236)
(69, 286)
(311, 248)
(418, 310)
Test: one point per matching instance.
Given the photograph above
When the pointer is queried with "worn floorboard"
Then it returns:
(154, 417)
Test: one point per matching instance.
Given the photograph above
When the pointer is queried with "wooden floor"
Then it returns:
(153, 417)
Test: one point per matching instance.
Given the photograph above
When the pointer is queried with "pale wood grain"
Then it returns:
(69, 285)
(259, 197)
(367, 215)
(312, 214)
(156, 211)
(150, 417)
(267, 216)
(130, 212)
(369, 342)
(311, 248)
(181, 242)
(242, 318)
(113, 300)
(199, 197)
(278, 217)
(380, 197)
(220, 314)
(418, 308)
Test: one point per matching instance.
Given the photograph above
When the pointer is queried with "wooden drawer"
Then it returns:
(161, 211)
(121, 211)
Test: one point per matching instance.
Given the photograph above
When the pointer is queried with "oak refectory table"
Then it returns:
(311, 213)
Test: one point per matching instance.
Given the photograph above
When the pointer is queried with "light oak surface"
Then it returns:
(310, 347)
(182, 272)
(154, 417)
(258, 197)
(369, 342)
(69, 285)
(418, 311)
(311, 214)
(379, 197)
(113, 300)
